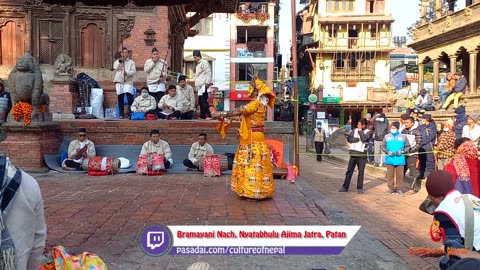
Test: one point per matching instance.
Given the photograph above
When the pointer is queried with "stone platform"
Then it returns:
(26, 145)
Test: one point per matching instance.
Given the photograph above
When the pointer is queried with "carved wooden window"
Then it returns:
(51, 40)
(92, 50)
(379, 6)
(11, 43)
(340, 5)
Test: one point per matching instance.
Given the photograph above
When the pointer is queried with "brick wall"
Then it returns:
(127, 132)
(25, 146)
(64, 96)
(158, 22)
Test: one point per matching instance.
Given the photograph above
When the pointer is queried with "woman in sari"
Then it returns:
(252, 175)
(464, 167)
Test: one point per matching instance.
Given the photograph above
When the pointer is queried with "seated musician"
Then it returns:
(198, 150)
(78, 150)
(156, 148)
(144, 103)
(171, 104)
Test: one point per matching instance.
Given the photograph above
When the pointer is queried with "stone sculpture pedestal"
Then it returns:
(26, 145)
(63, 97)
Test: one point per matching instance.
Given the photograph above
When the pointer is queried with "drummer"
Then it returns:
(198, 150)
(78, 150)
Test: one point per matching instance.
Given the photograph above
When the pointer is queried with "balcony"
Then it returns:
(364, 74)
(252, 13)
(448, 28)
(356, 44)
(245, 53)
(251, 50)
(259, 18)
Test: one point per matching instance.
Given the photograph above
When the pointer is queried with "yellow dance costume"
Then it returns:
(252, 174)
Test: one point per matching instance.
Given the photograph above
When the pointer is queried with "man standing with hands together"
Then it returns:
(203, 81)
(124, 71)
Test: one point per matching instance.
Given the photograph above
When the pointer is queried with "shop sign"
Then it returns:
(239, 95)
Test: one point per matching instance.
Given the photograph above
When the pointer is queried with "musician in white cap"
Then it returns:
(203, 81)
(124, 71)
(156, 70)
(78, 150)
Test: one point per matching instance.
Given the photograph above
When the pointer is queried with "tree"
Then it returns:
(429, 17)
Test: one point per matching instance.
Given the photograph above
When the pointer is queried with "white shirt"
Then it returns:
(473, 134)
(197, 151)
(203, 75)
(188, 97)
(141, 104)
(176, 102)
(154, 70)
(161, 148)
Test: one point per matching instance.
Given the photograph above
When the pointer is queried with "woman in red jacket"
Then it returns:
(465, 167)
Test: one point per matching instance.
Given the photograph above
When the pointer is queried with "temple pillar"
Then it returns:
(436, 77)
(64, 98)
(472, 78)
(438, 9)
(423, 11)
(453, 63)
(421, 68)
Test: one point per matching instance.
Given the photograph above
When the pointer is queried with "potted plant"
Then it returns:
(246, 17)
(262, 17)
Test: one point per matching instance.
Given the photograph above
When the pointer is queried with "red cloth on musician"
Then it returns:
(474, 168)
(151, 164)
(211, 165)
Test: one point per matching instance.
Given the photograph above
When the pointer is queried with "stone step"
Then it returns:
(471, 103)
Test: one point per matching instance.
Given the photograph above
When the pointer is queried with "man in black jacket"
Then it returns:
(414, 136)
(460, 121)
(4, 94)
(381, 127)
(358, 155)
(426, 157)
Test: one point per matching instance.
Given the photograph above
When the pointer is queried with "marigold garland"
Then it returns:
(48, 266)
(22, 110)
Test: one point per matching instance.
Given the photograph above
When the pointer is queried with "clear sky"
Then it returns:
(405, 13)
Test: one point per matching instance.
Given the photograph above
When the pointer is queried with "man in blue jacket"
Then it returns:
(459, 89)
(426, 156)
(395, 145)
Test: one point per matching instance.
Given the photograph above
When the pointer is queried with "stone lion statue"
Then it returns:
(63, 65)
(26, 85)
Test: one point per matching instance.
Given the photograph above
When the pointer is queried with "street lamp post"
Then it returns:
(295, 85)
